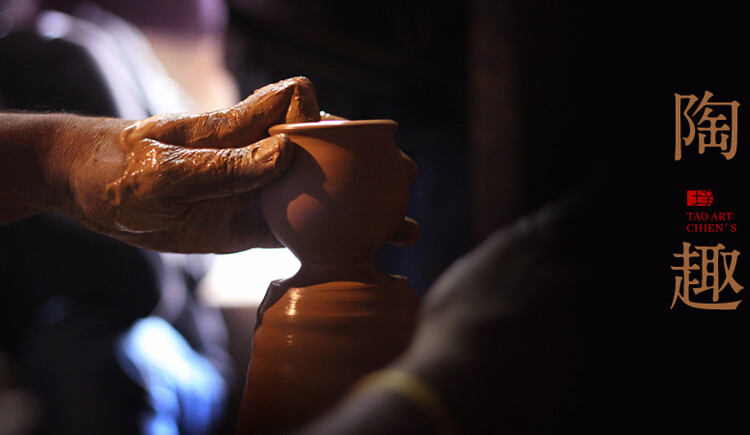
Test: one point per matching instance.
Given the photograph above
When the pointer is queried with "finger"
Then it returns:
(179, 129)
(184, 175)
(407, 234)
(223, 225)
(290, 100)
(217, 173)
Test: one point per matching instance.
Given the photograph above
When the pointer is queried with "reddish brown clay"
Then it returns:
(339, 318)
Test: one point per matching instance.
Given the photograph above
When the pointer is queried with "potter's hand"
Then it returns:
(189, 179)
(174, 182)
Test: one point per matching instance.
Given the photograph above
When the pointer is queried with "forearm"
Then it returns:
(38, 153)
(25, 143)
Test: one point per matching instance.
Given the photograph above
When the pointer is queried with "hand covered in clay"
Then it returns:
(173, 182)
(186, 182)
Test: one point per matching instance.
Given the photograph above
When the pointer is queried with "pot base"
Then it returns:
(313, 343)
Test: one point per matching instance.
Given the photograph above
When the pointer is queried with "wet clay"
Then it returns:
(343, 196)
(189, 179)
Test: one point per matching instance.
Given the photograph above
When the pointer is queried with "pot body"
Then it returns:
(339, 318)
(315, 343)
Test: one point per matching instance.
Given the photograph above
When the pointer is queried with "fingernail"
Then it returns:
(265, 152)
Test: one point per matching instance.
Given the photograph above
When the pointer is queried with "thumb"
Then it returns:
(186, 175)
(215, 173)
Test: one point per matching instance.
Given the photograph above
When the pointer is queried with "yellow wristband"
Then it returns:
(412, 388)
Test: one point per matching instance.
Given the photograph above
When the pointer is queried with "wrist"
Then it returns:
(82, 156)
(56, 155)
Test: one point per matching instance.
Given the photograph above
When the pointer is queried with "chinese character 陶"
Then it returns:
(712, 261)
(708, 121)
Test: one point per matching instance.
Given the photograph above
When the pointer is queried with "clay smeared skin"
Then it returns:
(186, 182)
(173, 182)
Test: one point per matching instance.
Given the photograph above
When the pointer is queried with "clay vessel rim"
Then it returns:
(327, 124)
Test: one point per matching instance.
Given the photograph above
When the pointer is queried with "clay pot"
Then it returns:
(338, 318)
(344, 195)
